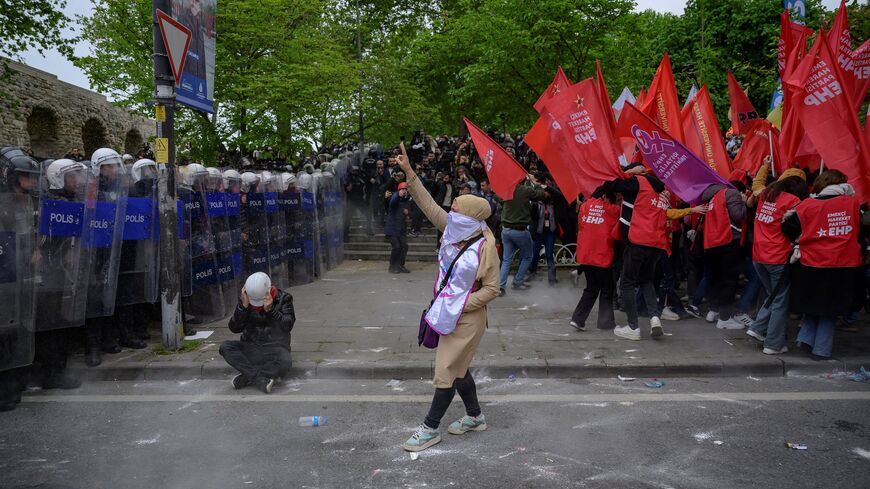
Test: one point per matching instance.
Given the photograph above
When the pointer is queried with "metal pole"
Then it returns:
(359, 92)
(170, 264)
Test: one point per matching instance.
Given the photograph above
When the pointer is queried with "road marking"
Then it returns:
(512, 398)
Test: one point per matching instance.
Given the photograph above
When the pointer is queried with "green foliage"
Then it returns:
(26, 24)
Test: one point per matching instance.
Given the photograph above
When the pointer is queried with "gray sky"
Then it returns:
(54, 63)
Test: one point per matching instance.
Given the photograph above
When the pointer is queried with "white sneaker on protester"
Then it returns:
(712, 316)
(729, 323)
(771, 351)
(668, 314)
(627, 333)
(757, 336)
(655, 327)
(744, 319)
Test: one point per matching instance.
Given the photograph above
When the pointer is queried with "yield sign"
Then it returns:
(176, 38)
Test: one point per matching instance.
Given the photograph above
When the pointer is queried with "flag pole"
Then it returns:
(772, 163)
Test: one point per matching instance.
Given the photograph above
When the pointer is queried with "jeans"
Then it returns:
(772, 320)
(700, 290)
(514, 240)
(547, 239)
(751, 290)
(818, 332)
(443, 397)
(599, 283)
(638, 270)
(253, 360)
(399, 251)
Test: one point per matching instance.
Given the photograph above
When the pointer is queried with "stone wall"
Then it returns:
(50, 117)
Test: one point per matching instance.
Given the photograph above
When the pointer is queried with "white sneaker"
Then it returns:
(771, 351)
(655, 327)
(578, 327)
(668, 314)
(757, 336)
(744, 319)
(712, 316)
(729, 323)
(627, 333)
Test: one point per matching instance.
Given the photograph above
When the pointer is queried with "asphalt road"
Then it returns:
(692, 433)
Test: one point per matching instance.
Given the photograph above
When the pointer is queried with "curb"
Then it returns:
(535, 368)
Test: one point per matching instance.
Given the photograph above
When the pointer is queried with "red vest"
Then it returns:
(597, 229)
(717, 223)
(771, 247)
(829, 232)
(648, 226)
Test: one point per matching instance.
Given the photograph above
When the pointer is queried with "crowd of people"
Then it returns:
(738, 260)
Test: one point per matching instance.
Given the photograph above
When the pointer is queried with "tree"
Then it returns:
(26, 24)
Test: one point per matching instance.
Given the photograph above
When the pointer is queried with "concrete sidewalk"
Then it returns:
(361, 322)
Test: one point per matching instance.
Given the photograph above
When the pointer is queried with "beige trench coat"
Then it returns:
(455, 351)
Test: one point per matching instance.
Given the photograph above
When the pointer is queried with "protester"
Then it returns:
(770, 254)
(644, 228)
(515, 219)
(264, 317)
(827, 279)
(396, 228)
(545, 228)
(472, 285)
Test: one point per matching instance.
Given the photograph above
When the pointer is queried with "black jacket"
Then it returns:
(266, 328)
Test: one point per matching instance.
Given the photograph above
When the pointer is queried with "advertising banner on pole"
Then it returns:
(196, 89)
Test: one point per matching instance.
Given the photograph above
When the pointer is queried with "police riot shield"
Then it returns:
(230, 260)
(307, 229)
(16, 278)
(105, 212)
(139, 271)
(278, 253)
(61, 269)
(321, 245)
(205, 302)
(255, 229)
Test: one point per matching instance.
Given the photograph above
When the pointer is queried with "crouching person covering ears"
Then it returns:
(265, 318)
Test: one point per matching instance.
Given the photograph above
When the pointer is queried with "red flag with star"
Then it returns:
(560, 83)
(502, 169)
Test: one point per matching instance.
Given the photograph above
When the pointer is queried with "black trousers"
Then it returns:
(723, 263)
(399, 251)
(443, 397)
(599, 283)
(638, 271)
(253, 360)
(52, 349)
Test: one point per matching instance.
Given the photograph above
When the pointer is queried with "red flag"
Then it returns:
(702, 134)
(861, 69)
(560, 83)
(502, 169)
(742, 112)
(604, 97)
(641, 97)
(756, 146)
(791, 36)
(576, 136)
(661, 102)
(828, 117)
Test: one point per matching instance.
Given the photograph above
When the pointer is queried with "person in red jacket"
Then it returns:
(643, 225)
(771, 250)
(827, 281)
(598, 229)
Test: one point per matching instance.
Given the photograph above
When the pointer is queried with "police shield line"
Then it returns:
(80, 261)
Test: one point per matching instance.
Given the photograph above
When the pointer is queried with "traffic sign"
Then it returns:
(160, 113)
(176, 38)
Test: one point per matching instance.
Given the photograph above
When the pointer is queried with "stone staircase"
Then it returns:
(360, 246)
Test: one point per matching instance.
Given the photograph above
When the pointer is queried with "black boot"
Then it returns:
(93, 355)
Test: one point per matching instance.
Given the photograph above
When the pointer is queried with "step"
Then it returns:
(384, 255)
(382, 245)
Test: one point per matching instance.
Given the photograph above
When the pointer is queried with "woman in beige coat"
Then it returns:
(478, 268)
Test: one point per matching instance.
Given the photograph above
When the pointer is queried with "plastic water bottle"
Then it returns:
(312, 420)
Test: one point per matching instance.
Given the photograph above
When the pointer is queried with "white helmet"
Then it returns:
(249, 179)
(139, 165)
(229, 176)
(305, 181)
(105, 156)
(59, 169)
(257, 286)
(128, 159)
(287, 179)
(267, 178)
(194, 170)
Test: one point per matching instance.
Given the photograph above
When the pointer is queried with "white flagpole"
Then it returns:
(772, 163)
